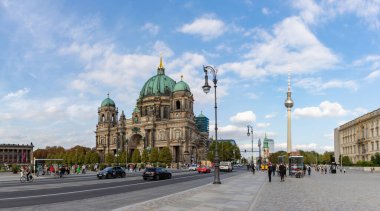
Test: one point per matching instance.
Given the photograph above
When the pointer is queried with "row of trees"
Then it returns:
(310, 157)
(375, 161)
(154, 156)
(75, 155)
(226, 151)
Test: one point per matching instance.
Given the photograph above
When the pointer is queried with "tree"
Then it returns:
(136, 158)
(154, 155)
(346, 161)
(165, 156)
(123, 157)
(110, 158)
(376, 158)
(145, 156)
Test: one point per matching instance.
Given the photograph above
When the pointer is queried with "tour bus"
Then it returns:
(296, 166)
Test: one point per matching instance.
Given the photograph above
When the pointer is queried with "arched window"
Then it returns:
(103, 118)
(178, 105)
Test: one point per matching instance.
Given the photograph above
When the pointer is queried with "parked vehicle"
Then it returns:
(156, 174)
(193, 167)
(111, 172)
(225, 166)
(203, 169)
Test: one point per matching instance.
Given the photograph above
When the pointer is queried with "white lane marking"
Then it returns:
(81, 191)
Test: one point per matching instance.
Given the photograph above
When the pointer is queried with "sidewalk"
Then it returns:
(235, 193)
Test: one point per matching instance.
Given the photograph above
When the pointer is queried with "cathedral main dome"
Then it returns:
(159, 84)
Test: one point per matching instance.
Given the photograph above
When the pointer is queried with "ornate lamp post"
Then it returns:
(206, 89)
(248, 134)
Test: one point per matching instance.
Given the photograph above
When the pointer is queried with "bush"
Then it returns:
(15, 168)
(102, 166)
(363, 163)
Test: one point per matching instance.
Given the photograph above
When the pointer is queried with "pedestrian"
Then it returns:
(325, 170)
(274, 167)
(270, 172)
(248, 167)
(253, 168)
(308, 170)
(344, 171)
(282, 170)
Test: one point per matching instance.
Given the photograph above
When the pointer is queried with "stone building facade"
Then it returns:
(16, 153)
(358, 139)
(163, 117)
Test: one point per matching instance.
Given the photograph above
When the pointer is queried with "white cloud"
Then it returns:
(317, 86)
(17, 94)
(292, 46)
(246, 117)
(161, 48)
(263, 125)
(373, 75)
(265, 11)
(207, 27)
(271, 115)
(366, 10)
(309, 11)
(305, 147)
(325, 109)
(151, 28)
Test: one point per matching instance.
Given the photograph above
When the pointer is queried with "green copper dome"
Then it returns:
(108, 102)
(181, 86)
(159, 84)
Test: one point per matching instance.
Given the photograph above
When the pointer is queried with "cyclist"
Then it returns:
(28, 173)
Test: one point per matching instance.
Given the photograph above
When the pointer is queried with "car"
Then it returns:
(156, 173)
(111, 172)
(225, 166)
(203, 169)
(193, 167)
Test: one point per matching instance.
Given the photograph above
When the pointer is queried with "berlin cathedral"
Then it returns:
(163, 117)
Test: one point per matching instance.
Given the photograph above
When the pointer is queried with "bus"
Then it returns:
(296, 166)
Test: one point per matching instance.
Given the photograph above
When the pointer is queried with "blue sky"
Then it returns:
(59, 59)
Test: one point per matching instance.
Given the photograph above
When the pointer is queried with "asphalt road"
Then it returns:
(50, 191)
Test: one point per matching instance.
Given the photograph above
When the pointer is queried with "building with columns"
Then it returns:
(163, 117)
(359, 138)
(16, 154)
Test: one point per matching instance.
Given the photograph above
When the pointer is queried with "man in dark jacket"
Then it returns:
(270, 171)
(282, 170)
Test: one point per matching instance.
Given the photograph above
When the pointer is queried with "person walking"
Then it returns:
(274, 167)
(282, 170)
(253, 168)
(270, 172)
(308, 170)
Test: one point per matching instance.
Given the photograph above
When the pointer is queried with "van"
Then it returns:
(225, 166)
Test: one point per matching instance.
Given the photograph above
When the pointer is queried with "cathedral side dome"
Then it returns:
(159, 84)
(108, 102)
(181, 86)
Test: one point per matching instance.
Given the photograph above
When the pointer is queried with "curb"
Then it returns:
(167, 196)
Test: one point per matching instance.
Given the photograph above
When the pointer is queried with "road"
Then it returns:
(82, 192)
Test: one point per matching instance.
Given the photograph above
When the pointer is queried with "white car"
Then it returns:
(225, 166)
(193, 167)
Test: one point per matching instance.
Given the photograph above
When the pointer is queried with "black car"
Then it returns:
(156, 174)
(111, 172)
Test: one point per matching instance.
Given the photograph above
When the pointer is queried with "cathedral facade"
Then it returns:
(163, 117)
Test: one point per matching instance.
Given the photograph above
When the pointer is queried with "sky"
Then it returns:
(59, 59)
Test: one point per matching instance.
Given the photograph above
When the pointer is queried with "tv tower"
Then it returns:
(289, 104)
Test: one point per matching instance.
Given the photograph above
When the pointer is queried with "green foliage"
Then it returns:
(165, 156)
(123, 157)
(364, 163)
(154, 155)
(15, 168)
(376, 159)
(346, 161)
(145, 156)
(110, 158)
(244, 160)
(273, 157)
(226, 151)
(102, 166)
(136, 158)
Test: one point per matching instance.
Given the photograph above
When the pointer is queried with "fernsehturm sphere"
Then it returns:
(289, 104)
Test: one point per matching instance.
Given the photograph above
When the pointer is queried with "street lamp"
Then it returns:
(206, 89)
(248, 134)
(259, 145)
(126, 153)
